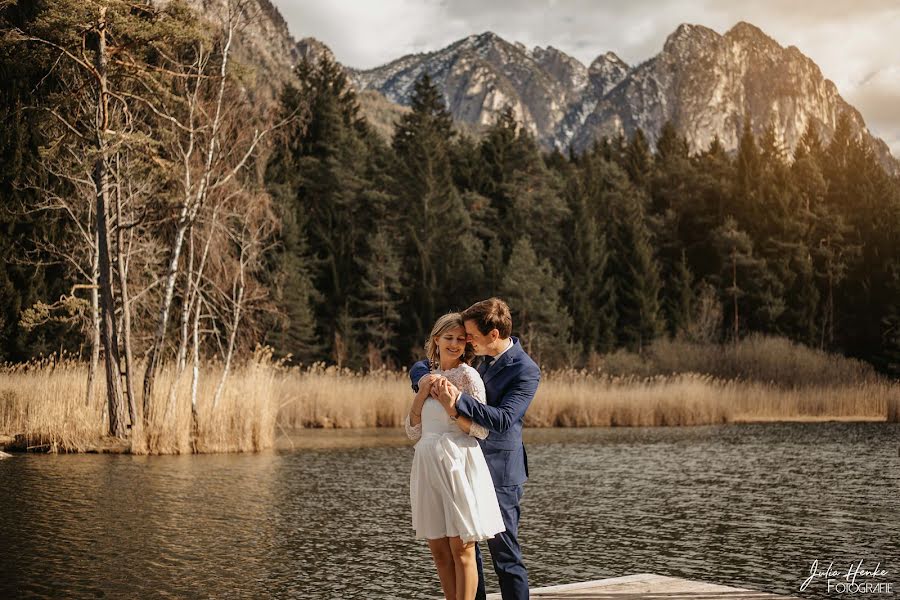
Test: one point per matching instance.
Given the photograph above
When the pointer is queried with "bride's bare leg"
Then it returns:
(466, 569)
(443, 560)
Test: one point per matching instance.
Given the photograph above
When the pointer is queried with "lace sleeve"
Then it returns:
(475, 387)
(413, 432)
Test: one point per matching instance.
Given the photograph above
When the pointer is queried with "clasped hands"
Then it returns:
(440, 388)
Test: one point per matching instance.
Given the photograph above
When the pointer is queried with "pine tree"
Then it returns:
(743, 280)
(678, 297)
(442, 255)
(589, 288)
(34, 76)
(671, 146)
(325, 174)
(294, 333)
(524, 194)
(380, 300)
(635, 271)
(674, 202)
(637, 160)
(532, 289)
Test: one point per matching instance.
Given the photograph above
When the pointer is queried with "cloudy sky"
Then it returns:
(856, 44)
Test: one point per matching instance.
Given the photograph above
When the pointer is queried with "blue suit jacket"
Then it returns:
(510, 384)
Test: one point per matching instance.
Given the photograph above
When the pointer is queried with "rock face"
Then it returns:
(703, 82)
(263, 43)
(482, 74)
(313, 50)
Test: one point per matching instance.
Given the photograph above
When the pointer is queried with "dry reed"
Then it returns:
(43, 403)
(333, 398)
(769, 380)
(761, 378)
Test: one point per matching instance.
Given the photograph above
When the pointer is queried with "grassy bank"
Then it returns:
(330, 398)
(673, 383)
(759, 380)
(42, 407)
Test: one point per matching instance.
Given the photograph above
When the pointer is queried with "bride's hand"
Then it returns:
(426, 383)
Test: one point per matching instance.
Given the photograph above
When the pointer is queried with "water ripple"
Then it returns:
(744, 505)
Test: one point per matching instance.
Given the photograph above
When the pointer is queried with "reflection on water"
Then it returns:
(327, 514)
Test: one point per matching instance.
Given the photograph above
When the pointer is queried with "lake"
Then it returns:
(326, 514)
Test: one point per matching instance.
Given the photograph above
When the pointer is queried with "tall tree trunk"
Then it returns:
(734, 294)
(160, 337)
(229, 354)
(95, 324)
(186, 308)
(118, 414)
(192, 299)
(134, 411)
(195, 375)
(193, 201)
(185, 332)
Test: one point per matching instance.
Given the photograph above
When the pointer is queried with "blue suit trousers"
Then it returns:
(505, 551)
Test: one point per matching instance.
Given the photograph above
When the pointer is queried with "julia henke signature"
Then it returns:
(844, 582)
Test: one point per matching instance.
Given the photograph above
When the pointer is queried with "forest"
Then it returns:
(159, 216)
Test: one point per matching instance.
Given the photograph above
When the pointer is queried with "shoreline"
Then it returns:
(352, 437)
(43, 409)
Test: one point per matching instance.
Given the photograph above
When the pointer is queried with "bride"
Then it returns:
(450, 488)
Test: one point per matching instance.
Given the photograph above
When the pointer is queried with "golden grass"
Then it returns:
(755, 358)
(776, 382)
(568, 399)
(45, 404)
(332, 398)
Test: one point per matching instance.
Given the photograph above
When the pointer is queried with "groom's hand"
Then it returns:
(447, 393)
(435, 382)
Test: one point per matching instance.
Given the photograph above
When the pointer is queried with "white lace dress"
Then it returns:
(450, 487)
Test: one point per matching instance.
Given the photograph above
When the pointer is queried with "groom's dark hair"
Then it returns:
(492, 313)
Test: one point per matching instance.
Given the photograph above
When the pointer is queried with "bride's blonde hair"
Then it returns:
(442, 325)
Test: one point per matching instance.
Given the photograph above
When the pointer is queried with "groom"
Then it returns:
(510, 380)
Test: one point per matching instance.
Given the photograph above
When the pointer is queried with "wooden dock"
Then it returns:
(646, 586)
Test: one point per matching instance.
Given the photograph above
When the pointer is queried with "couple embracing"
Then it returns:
(469, 468)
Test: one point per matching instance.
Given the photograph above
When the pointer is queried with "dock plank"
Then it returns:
(648, 586)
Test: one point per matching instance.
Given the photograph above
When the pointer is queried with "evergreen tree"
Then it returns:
(33, 80)
(325, 175)
(380, 300)
(671, 146)
(678, 297)
(442, 255)
(673, 186)
(637, 160)
(743, 280)
(635, 271)
(294, 333)
(524, 193)
(532, 290)
(709, 190)
(589, 289)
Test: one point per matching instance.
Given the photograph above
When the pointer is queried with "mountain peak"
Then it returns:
(313, 50)
(608, 58)
(485, 38)
(688, 34)
(551, 53)
(748, 31)
(702, 81)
